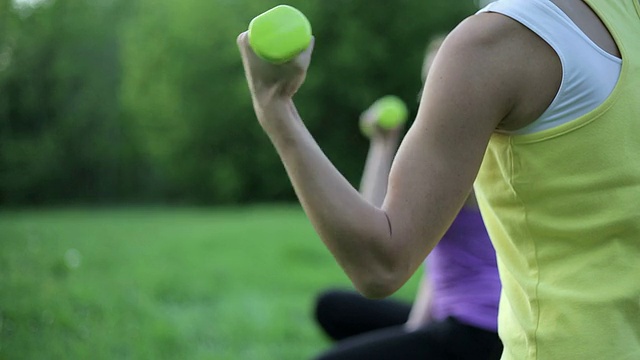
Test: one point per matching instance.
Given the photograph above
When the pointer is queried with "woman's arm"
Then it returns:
(379, 248)
(382, 148)
(421, 310)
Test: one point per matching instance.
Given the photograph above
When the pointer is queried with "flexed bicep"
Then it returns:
(466, 95)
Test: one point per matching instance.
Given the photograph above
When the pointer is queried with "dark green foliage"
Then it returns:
(145, 100)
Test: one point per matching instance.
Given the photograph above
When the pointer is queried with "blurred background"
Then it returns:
(143, 212)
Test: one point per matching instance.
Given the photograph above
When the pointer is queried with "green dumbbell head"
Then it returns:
(280, 34)
(392, 112)
(386, 113)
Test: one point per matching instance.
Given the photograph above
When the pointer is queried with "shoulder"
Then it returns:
(492, 39)
(475, 66)
(505, 60)
(484, 29)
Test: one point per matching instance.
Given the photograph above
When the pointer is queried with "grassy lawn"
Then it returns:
(162, 284)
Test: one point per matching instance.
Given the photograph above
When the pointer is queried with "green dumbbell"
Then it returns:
(389, 112)
(280, 34)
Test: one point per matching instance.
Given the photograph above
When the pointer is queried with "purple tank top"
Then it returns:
(464, 274)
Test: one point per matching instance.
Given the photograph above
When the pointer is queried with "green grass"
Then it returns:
(162, 284)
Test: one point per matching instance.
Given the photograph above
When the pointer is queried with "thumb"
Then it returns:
(247, 53)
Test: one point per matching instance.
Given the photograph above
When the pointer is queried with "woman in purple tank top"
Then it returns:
(454, 315)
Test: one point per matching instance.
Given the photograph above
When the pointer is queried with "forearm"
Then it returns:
(421, 310)
(375, 178)
(356, 232)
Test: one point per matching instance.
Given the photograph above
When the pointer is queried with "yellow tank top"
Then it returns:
(563, 209)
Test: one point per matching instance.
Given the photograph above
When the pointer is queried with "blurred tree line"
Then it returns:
(145, 101)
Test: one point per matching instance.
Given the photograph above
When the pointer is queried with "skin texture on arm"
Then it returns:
(421, 310)
(379, 248)
(382, 148)
(373, 188)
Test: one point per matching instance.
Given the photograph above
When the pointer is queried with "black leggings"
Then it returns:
(374, 330)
